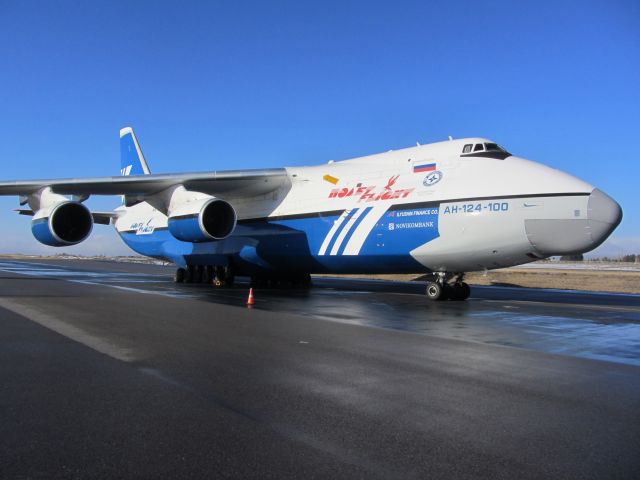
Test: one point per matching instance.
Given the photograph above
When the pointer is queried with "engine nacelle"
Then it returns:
(62, 224)
(202, 219)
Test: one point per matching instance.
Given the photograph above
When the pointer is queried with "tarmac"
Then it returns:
(111, 370)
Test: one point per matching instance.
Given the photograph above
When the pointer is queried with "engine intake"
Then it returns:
(63, 224)
(203, 220)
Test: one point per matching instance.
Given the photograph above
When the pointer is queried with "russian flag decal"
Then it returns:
(425, 167)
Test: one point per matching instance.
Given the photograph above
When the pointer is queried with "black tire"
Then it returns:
(303, 280)
(229, 276)
(455, 292)
(207, 274)
(435, 291)
(459, 291)
(218, 276)
(466, 291)
(189, 274)
(198, 274)
(178, 277)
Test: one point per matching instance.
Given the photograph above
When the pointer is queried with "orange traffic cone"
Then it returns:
(250, 299)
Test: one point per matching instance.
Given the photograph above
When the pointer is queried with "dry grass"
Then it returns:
(595, 281)
(591, 280)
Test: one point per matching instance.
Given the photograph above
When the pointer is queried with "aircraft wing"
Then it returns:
(226, 183)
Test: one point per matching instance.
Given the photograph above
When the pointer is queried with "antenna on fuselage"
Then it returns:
(450, 138)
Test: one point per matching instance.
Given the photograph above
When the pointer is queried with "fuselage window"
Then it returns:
(479, 147)
(467, 148)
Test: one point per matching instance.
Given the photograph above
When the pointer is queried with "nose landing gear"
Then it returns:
(442, 288)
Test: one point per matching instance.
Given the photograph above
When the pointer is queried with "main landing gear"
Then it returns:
(219, 276)
(441, 288)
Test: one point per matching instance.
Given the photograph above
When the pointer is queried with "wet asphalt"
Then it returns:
(110, 370)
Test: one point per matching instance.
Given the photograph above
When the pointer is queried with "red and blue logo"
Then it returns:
(425, 167)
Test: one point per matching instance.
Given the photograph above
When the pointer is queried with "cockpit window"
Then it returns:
(493, 147)
(485, 150)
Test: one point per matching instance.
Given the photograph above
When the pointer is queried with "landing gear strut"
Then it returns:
(441, 288)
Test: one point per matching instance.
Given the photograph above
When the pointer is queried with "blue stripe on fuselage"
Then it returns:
(336, 234)
(293, 244)
(353, 228)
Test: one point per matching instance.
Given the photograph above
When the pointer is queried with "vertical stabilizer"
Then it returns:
(132, 160)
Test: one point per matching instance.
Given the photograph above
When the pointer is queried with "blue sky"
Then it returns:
(217, 85)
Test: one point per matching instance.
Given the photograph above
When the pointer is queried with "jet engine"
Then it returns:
(62, 224)
(201, 219)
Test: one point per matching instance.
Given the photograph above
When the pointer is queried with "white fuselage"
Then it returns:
(444, 210)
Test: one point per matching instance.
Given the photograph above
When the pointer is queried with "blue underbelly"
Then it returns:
(346, 243)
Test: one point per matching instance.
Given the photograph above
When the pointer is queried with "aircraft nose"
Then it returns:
(604, 215)
(569, 236)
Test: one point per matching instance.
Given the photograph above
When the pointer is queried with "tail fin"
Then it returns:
(132, 160)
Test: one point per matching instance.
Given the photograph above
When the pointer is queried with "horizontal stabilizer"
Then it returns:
(24, 211)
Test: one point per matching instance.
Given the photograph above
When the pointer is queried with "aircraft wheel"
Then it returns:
(466, 291)
(435, 291)
(301, 280)
(455, 292)
(189, 274)
(218, 275)
(304, 280)
(178, 277)
(198, 274)
(229, 276)
(459, 291)
(207, 274)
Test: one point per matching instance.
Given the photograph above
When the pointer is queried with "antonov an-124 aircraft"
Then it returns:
(441, 209)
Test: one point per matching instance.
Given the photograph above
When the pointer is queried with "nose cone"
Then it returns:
(603, 214)
(568, 236)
